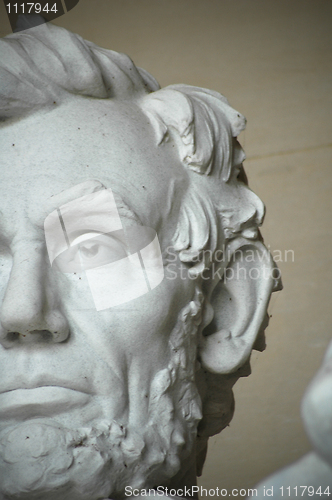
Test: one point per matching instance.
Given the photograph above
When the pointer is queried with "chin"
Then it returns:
(42, 459)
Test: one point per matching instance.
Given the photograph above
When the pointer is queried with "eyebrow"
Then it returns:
(85, 188)
(125, 211)
(82, 223)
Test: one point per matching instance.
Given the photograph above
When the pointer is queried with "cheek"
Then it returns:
(6, 263)
(151, 318)
(169, 299)
(134, 326)
(73, 290)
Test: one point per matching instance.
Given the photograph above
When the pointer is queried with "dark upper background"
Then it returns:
(272, 60)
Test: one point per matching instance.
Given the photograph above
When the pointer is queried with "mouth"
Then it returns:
(44, 401)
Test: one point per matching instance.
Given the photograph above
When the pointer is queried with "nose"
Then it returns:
(29, 311)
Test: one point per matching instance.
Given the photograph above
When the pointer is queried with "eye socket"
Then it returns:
(89, 250)
(100, 250)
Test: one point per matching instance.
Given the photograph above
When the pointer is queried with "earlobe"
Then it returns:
(240, 303)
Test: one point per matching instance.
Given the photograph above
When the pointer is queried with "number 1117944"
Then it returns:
(31, 8)
(304, 491)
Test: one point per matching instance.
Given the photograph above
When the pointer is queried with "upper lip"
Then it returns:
(45, 381)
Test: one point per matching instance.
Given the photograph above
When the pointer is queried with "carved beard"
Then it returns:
(42, 459)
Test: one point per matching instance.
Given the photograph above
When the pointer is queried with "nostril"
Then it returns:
(9, 339)
(42, 336)
(12, 336)
(39, 336)
(45, 336)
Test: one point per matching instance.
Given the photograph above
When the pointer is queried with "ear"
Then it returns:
(239, 301)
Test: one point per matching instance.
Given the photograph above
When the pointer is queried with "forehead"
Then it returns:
(83, 139)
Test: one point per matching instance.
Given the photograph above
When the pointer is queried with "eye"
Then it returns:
(102, 249)
(89, 250)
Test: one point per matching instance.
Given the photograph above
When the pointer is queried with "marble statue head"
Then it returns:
(134, 280)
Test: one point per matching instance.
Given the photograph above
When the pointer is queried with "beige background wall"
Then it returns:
(272, 59)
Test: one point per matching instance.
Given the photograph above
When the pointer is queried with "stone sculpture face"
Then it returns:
(91, 366)
(96, 392)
